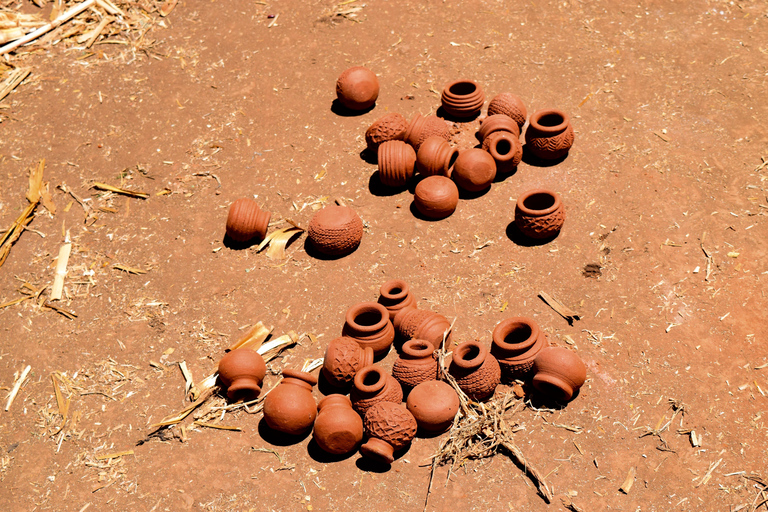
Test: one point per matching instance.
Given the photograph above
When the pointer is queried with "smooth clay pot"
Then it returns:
(395, 295)
(389, 427)
(476, 371)
(357, 88)
(397, 163)
(335, 230)
(388, 127)
(344, 357)
(516, 343)
(421, 128)
(434, 404)
(474, 170)
(550, 134)
(290, 407)
(242, 372)
(498, 123)
(510, 105)
(416, 364)
(558, 373)
(436, 157)
(368, 324)
(373, 385)
(247, 221)
(505, 149)
(462, 98)
(412, 323)
(436, 197)
(338, 428)
(539, 213)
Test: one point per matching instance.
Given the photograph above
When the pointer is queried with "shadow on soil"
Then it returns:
(340, 110)
(535, 161)
(518, 238)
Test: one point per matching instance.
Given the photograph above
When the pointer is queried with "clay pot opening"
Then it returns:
(503, 146)
(462, 88)
(469, 355)
(417, 349)
(518, 334)
(368, 317)
(553, 390)
(452, 161)
(550, 121)
(395, 290)
(537, 203)
(370, 380)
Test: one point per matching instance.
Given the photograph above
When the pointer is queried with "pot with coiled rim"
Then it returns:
(463, 98)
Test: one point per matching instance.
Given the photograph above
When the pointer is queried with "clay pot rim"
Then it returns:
(505, 327)
(536, 117)
(333, 398)
(556, 387)
(379, 450)
(417, 349)
(448, 93)
(496, 123)
(538, 213)
(386, 290)
(469, 364)
(360, 376)
(498, 136)
(299, 375)
(367, 307)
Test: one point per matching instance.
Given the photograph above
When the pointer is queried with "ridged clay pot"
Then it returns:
(436, 157)
(395, 295)
(290, 407)
(421, 128)
(416, 364)
(373, 385)
(516, 342)
(338, 428)
(550, 134)
(436, 197)
(388, 127)
(357, 88)
(335, 230)
(510, 105)
(474, 170)
(368, 324)
(498, 123)
(539, 213)
(505, 149)
(476, 371)
(397, 163)
(247, 221)
(558, 373)
(344, 357)
(242, 372)
(412, 323)
(434, 404)
(389, 427)
(462, 98)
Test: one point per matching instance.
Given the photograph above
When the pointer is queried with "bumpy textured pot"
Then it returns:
(397, 163)
(476, 371)
(388, 127)
(412, 323)
(474, 170)
(416, 364)
(395, 295)
(421, 128)
(498, 123)
(434, 404)
(357, 88)
(368, 324)
(373, 385)
(550, 134)
(463, 98)
(436, 197)
(290, 407)
(516, 343)
(389, 427)
(436, 156)
(344, 357)
(338, 428)
(335, 230)
(510, 105)
(247, 221)
(558, 373)
(505, 149)
(539, 213)
(242, 371)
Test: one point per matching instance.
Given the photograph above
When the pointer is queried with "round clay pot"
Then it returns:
(558, 373)
(397, 161)
(474, 170)
(396, 295)
(462, 98)
(390, 427)
(436, 197)
(373, 385)
(421, 128)
(434, 404)
(416, 364)
(247, 221)
(476, 371)
(344, 357)
(290, 407)
(335, 230)
(338, 428)
(498, 123)
(388, 127)
(368, 324)
(550, 134)
(516, 342)
(510, 105)
(242, 372)
(505, 149)
(357, 88)
(539, 213)
(412, 323)
(436, 156)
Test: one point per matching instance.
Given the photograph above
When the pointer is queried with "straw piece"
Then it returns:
(254, 337)
(12, 81)
(559, 308)
(34, 195)
(63, 18)
(61, 271)
(117, 190)
(17, 386)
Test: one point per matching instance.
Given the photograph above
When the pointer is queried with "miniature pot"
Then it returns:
(436, 156)
(357, 88)
(434, 404)
(412, 323)
(421, 128)
(397, 161)
(335, 230)
(416, 364)
(550, 134)
(242, 372)
(388, 127)
(290, 407)
(516, 342)
(344, 357)
(476, 371)
(396, 295)
(558, 373)
(390, 427)
(474, 170)
(247, 221)
(505, 149)
(539, 213)
(373, 385)
(436, 197)
(510, 105)
(498, 123)
(338, 428)
(463, 98)
(368, 324)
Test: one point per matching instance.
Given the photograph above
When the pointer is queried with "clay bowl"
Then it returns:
(539, 213)
(550, 134)
(463, 98)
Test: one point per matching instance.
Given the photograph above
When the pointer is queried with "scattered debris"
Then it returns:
(16, 386)
(592, 270)
(629, 481)
(117, 190)
(559, 308)
(34, 196)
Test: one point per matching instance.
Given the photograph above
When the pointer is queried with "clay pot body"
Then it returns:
(247, 221)
(436, 157)
(396, 295)
(374, 385)
(476, 371)
(474, 170)
(516, 342)
(335, 230)
(550, 134)
(462, 98)
(412, 323)
(434, 404)
(344, 357)
(436, 197)
(558, 373)
(390, 427)
(388, 127)
(498, 123)
(510, 105)
(421, 128)
(416, 364)
(242, 371)
(397, 162)
(539, 213)
(357, 88)
(290, 407)
(338, 428)
(505, 149)
(368, 324)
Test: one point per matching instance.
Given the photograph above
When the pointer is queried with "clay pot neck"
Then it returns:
(551, 121)
(417, 349)
(371, 380)
(538, 203)
(379, 450)
(367, 318)
(469, 355)
(517, 334)
(245, 389)
(394, 292)
(334, 400)
(297, 378)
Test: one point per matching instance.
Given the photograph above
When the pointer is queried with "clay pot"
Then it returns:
(343, 359)
(390, 427)
(412, 323)
(247, 221)
(558, 373)
(436, 197)
(436, 156)
(388, 127)
(434, 404)
(516, 342)
(462, 98)
(510, 105)
(335, 230)
(476, 371)
(474, 170)
(368, 324)
(357, 88)
(396, 295)
(498, 123)
(421, 128)
(338, 428)
(373, 385)
(550, 134)
(417, 363)
(505, 149)
(539, 213)
(242, 372)
(397, 161)
(290, 407)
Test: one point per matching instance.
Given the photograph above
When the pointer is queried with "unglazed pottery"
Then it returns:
(474, 170)
(436, 197)
(558, 373)
(462, 98)
(335, 230)
(421, 128)
(434, 404)
(242, 372)
(539, 213)
(373, 385)
(338, 428)
(412, 323)
(388, 127)
(436, 157)
(397, 163)
(550, 134)
(416, 364)
(476, 371)
(389, 427)
(344, 357)
(247, 221)
(395, 295)
(510, 105)
(505, 149)
(497, 123)
(516, 342)
(357, 88)
(368, 324)
(290, 407)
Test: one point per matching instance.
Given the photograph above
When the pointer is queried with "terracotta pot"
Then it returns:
(510, 105)
(550, 134)
(335, 230)
(474, 170)
(373, 385)
(516, 342)
(436, 156)
(421, 128)
(498, 123)
(412, 323)
(344, 357)
(417, 363)
(368, 324)
(247, 221)
(388, 127)
(242, 372)
(476, 371)
(436, 197)
(434, 404)
(290, 407)
(390, 427)
(558, 373)
(463, 98)
(338, 428)
(397, 162)
(396, 295)
(505, 149)
(539, 213)
(357, 88)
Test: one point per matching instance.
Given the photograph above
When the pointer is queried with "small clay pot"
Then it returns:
(434, 404)
(412, 323)
(474, 170)
(389, 427)
(397, 163)
(476, 371)
(417, 363)
(338, 428)
(539, 213)
(247, 221)
(290, 407)
(436, 197)
(421, 128)
(373, 385)
(558, 373)
(335, 230)
(462, 98)
(396, 295)
(344, 357)
(510, 105)
(516, 342)
(505, 149)
(550, 134)
(357, 88)
(368, 324)
(242, 372)
(436, 156)
(498, 123)
(388, 127)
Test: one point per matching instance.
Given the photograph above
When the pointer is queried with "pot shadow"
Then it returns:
(377, 188)
(416, 213)
(448, 117)
(313, 252)
(276, 438)
(326, 388)
(340, 110)
(503, 175)
(514, 234)
(469, 195)
(319, 455)
(238, 246)
(430, 434)
(540, 400)
(533, 160)
(369, 156)
(367, 464)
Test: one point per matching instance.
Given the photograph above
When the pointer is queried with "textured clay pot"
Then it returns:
(462, 98)
(338, 428)
(416, 364)
(498, 123)
(242, 371)
(516, 342)
(436, 157)
(476, 371)
(357, 88)
(412, 323)
(373, 385)
(434, 404)
(558, 373)
(510, 105)
(550, 134)
(474, 170)
(290, 407)
(421, 128)
(505, 149)
(389, 427)
(368, 324)
(539, 213)
(247, 221)
(436, 197)
(388, 127)
(335, 230)
(396, 295)
(344, 357)
(397, 163)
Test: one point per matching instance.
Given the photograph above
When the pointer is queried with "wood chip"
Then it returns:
(568, 314)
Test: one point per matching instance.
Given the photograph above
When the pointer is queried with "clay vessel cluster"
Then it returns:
(373, 385)
(434, 404)
(246, 221)
(397, 162)
(338, 428)
(412, 323)
(463, 98)
(436, 197)
(357, 88)
(558, 373)
(550, 134)
(344, 357)
(539, 214)
(390, 427)
(476, 371)
(395, 295)
(388, 127)
(290, 407)
(368, 324)
(242, 372)
(335, 230)
(417, 363)
(516, 343)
